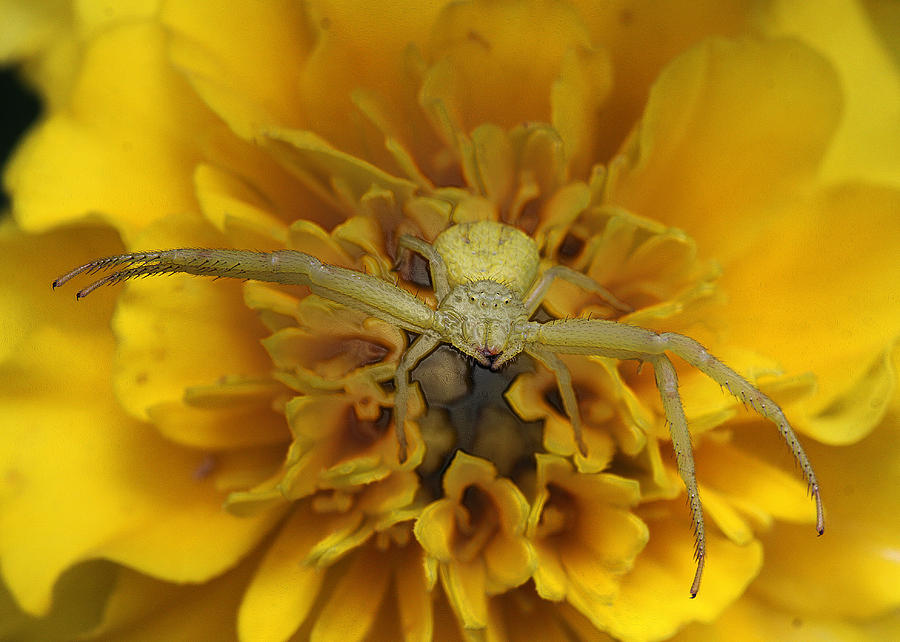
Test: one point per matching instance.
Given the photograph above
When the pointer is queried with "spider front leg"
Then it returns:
(357, 290)
(364, 292)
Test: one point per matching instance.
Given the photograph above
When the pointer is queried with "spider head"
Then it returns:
(482, 319)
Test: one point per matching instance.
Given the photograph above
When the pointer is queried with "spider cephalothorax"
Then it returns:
(487, 285)
(483, 319)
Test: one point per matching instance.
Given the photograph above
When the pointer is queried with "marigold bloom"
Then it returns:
(183, 458)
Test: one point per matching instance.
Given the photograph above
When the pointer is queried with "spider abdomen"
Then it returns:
(488, 251)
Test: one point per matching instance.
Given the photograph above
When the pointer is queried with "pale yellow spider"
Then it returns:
(486, 281)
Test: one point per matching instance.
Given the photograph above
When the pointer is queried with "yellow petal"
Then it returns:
(283, 589)
(859, 551)
(750, 481)
(466, 586)
(145, 609)
(550, 577)
(509, 561)
(113, 486)
(80, 599)
(182, 331)
(751, 619)
(244, 60)
(333, 342)
(837, 312)
(354, 604)
(660, 579)
(642, 38)
(224, 416)
(340, 178)
(585, 535)
(231, 206)
(698, 160)
(491, 167)
(413, 596)
(363, 49)
(123, 155)
(496, 74)
(867, 142)
(435, 528)
(577, 96)
(523, 615)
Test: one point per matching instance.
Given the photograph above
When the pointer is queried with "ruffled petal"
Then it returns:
(79, 599)
(413, 597)
(578, 94)
(489, 70)
(173, 332)
(76, 464)
(866, 143)
(89, 159)
(660, 579)
(858, 552)
(466, 588)
(361, 59)
(831, 316)
(642, 38)
(142, 608)
(721, 167)
(357, 596)
(243, 60)
(283, 589)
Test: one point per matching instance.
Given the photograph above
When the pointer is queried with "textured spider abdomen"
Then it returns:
(488, 251)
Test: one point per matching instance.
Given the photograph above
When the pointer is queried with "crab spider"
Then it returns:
(487, 283)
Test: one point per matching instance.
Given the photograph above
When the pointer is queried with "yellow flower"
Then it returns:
(197, 459)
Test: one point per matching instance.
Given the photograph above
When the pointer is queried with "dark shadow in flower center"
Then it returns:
(477, 520)
(363, 433)
(559, 516)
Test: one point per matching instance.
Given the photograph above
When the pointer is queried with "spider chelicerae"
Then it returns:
(488, 285)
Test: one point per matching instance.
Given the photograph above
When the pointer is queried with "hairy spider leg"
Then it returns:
(667, 383)
(622, 341)
(564, 383)
(539, 289)
(357, 290)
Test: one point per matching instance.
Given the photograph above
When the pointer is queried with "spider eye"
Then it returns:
(472, 299)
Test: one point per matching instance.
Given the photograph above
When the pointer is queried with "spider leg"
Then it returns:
(357, 290)
(667, 382)
(436, 265)
(699, 357)
(539, 289)
(623, 341)
(566, 392)
(419, 349)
